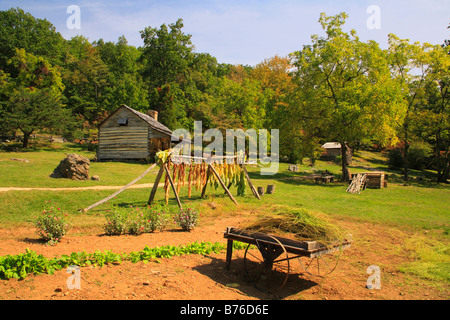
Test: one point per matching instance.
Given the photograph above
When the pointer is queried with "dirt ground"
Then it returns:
(197, 277)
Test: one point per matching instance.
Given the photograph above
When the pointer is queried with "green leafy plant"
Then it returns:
(187, 219)
(52, 224)
(19, 266)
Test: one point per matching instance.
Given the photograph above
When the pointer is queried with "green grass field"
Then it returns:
(415, 207)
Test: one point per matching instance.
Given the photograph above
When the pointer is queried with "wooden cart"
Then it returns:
(267, 257)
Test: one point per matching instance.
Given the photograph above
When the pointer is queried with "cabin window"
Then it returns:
(123, 121)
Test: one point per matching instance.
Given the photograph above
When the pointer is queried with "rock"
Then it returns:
(95, 177)
(73, 167)
(23, 160)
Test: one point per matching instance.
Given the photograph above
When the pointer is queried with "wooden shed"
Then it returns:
(333, 150)
(128, 134)
(376, 179)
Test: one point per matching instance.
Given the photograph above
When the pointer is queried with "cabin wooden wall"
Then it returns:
(157, 141)
(134, 141)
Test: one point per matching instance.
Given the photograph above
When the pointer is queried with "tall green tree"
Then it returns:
(125, 82)
(33, 96)
(411, 67)
(167, 53)
(430, 120)
(85, 78)
(347, 93)
(19, 29)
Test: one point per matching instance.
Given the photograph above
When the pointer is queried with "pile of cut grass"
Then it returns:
(298, 224)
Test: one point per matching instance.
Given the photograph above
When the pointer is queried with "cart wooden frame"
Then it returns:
(272, 267)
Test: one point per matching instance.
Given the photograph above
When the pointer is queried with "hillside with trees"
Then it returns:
(337, 88)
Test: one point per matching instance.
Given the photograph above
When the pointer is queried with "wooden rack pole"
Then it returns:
(208, 173)
(252, 187)
(222, 184)
(155, 185)
(173, 186)
(119, 191)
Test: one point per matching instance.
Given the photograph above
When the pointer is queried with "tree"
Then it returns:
(19, 29)
(347, 93)
(430, 120)
(125, 83)
(85, 78)
(33, 96)
(411, 67)
(167, 54)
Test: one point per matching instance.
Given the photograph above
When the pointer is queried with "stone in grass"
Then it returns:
(73, 167)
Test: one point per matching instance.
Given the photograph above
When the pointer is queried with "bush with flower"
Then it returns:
(116, 222)
(52, 224)
(157, 218)
(187, 219)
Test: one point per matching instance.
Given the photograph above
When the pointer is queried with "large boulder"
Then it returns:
(73, 167)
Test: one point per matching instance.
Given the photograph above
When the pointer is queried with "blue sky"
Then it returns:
(245, 32)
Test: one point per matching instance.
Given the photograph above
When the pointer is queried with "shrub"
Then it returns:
(136, 224)
(395, 158)
(187, 219)
(52, 225)
(419, 155)
(156, 219)
(116, 222)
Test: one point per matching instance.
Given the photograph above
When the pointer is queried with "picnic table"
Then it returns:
(325, 178)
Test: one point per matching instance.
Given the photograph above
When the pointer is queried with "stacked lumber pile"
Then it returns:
(358, 183)
(375, 179)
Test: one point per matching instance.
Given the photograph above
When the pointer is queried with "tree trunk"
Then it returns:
(345, 172)
(26, 138)
(405, 152)
(443, 168)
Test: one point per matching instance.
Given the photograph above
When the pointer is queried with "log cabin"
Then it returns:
(128, 134)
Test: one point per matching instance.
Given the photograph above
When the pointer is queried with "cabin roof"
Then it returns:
(332, 145)
(152, 122)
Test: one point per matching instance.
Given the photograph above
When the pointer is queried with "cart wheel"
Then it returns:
(267, 265)
(321, 265)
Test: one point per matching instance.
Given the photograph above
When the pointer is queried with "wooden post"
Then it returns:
(229, 253)
(261, 191)
(222, 184)
(270, 189)
(122, 189)
(252, 187)
(155, 185)
(173, 186)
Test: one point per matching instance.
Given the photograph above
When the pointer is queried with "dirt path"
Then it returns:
(205, 277)
(135, 186)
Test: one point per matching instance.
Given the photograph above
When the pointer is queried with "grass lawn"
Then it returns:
(416, 207)
(36, 172)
